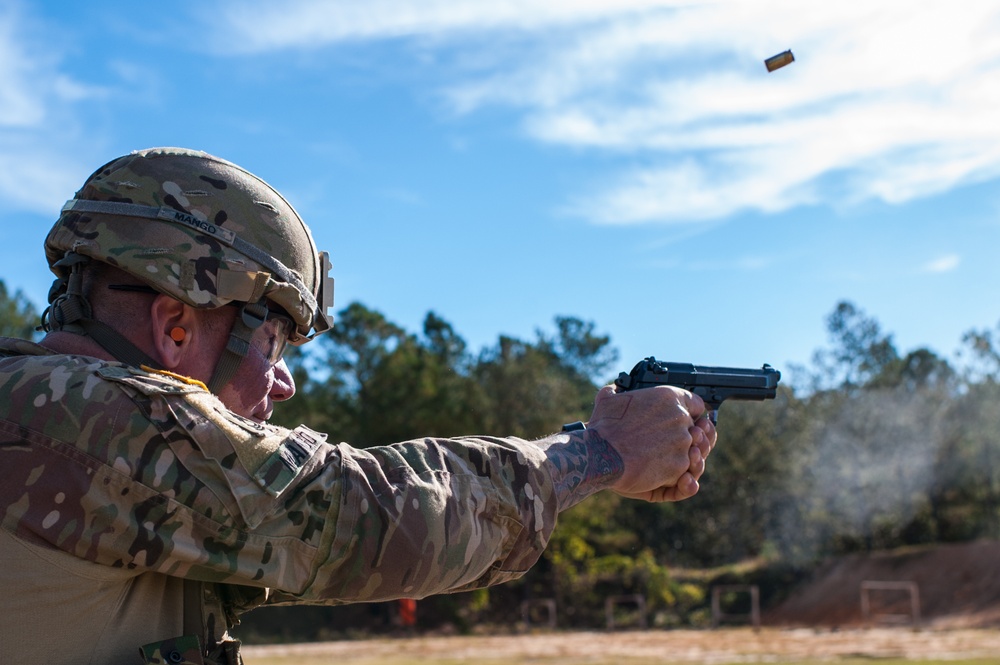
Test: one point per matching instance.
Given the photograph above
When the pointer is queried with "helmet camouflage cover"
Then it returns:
(199, 229)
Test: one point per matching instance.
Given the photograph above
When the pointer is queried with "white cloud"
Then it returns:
(21, 100)
(37, 136)
(888, 99)
(308, 23)
(943, 264)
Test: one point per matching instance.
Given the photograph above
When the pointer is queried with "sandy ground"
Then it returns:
(676, 646)
(959, 602)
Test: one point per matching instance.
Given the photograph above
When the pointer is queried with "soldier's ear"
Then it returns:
(174, 330)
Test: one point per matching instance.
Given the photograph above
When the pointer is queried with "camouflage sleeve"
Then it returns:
(437, 515)
(434, 515)
(131, 470)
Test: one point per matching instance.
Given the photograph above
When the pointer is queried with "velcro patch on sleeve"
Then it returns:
(281, 468)
(253, 442)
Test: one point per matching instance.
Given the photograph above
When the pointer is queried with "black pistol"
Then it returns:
(712, 384)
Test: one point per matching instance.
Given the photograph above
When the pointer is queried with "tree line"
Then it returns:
(865, 448)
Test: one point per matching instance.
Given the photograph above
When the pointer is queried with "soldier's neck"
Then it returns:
(73, 344)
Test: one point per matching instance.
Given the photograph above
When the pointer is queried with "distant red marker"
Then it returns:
(779, 61)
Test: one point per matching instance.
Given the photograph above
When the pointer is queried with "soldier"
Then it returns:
(145, 500)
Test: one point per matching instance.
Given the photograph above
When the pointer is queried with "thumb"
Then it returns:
(604, 393)
(610, 405)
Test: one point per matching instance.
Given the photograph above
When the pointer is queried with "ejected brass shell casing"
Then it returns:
(779, 61)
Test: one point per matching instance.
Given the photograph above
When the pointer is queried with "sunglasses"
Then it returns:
(280, 329)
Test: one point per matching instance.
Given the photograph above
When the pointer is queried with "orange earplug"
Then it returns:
(178, 334)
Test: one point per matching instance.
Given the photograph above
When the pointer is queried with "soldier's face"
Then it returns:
(259, 382)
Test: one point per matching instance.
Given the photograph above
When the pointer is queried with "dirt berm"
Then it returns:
(958, 587)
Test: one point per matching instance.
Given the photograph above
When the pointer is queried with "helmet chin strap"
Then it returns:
(250, 317)
(71, 312)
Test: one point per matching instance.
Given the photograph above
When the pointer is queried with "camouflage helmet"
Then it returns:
(200, 229)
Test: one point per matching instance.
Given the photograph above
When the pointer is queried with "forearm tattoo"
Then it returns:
(585, 463)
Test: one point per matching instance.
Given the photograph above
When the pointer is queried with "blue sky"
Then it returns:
(628, 162)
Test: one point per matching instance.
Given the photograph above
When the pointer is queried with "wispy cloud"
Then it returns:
(37, 167)
(719, 265)
(310, 23)
(887, 100)
(943, 264)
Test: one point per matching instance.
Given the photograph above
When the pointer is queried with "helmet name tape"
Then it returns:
(203, 225)
(150, 212)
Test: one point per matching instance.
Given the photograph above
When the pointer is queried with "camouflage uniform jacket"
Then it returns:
(120, 486)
